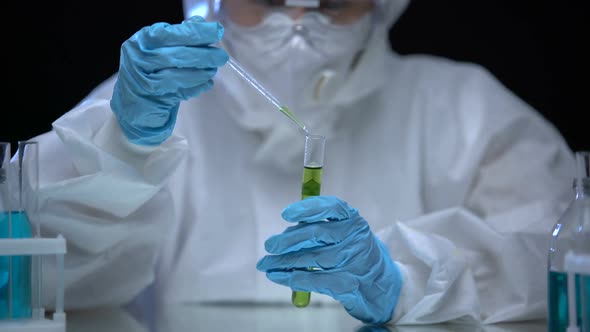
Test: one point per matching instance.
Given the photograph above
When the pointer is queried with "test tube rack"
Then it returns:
(38, 248)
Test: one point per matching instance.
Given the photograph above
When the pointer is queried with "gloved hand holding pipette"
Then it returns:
(161, 65)
(350, 263)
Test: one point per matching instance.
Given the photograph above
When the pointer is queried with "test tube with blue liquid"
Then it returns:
(18, 183)
(22, 247)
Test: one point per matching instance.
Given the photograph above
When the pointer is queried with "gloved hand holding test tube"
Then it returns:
(312, 164)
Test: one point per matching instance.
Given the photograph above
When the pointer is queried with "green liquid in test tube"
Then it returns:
(313, 157)
(313, 164)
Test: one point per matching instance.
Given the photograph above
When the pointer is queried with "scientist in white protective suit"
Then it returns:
(440, 185)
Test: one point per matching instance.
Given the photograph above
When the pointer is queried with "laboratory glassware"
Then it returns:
(20, 256)
(313, 164)
(566, 310)
(267, 95)
(5, 230)
(21, 179)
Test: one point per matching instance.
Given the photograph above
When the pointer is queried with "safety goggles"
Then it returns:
(323, 4)
(339, 11)
(328, 7)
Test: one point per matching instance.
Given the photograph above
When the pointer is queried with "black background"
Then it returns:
(58, 51)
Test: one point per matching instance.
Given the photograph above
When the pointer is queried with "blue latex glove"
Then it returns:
(161, 65)
(355, 267)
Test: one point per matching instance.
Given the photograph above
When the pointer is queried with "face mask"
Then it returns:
(291, 57)
(301, 63)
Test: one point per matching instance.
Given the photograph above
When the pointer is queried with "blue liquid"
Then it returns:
(558, 301)
(585, 306)
(21, 270)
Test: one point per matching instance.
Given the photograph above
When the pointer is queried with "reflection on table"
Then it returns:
(258, 318)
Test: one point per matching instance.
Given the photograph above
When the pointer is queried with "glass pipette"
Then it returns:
(272, 99)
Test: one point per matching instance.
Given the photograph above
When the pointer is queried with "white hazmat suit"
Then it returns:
(459, 178)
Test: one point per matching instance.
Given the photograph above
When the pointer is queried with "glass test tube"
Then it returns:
(20, 180)
(27, 210)
(5, 231)
(313, 163)
(582, 242)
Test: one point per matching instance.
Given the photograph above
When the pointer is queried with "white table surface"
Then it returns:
(257, 318)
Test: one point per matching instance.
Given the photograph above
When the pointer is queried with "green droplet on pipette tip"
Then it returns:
(285, 110)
